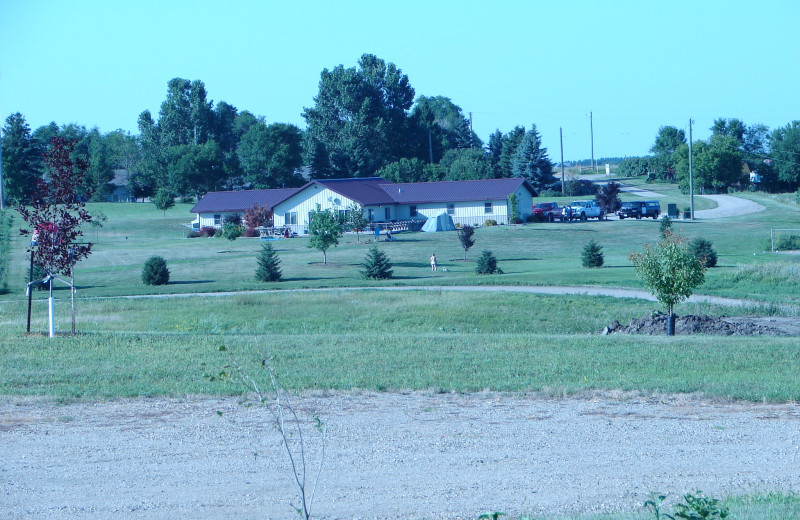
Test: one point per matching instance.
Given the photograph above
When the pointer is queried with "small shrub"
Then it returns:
(592, 255)
(788, 243)
(532, 218)
(487, 264)
(665, 227)
(155, 271)
(701, 248)
(376, 265)
(548, 193)
(231, 230)
(516, 220)
(193, 234)
(697, 507)
(208, 231)
(268, 269)
(251, 232)
(232, 219)
(489, 223)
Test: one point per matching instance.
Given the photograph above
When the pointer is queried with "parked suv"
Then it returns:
(652, 208)
(632, 209)
(547, 211)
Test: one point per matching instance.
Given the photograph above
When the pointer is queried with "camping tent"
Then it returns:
(441, 222)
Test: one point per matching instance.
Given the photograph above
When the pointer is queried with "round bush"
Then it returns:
(155, 271)
(702, 250)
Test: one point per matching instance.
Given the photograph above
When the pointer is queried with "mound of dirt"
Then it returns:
(656, 324)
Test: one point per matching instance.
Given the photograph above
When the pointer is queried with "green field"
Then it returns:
(134, 340)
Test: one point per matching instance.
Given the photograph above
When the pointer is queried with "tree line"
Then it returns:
(364, 122)
(726, 159)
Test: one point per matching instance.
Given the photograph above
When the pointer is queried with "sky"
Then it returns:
(633, 65)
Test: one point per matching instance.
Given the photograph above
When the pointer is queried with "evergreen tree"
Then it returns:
(531, 162)
(376, 265)
(268, 269)
(702, 250)
(592, 255)
(21, 160)
(487, 264)
(510, 144)
(155, 271)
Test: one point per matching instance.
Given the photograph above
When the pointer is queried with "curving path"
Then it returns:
(729, 206)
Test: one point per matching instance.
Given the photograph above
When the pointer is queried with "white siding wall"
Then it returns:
(524, 202)
(471, 213)
(207, 219)
(306, 201)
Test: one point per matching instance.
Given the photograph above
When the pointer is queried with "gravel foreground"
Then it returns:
(388, 455)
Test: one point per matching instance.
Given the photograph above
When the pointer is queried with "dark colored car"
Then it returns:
(652, 208)
(632, 209)
(546, 211)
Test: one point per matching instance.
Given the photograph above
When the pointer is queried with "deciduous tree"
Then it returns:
(465, 238)
(163, 200)
(325, 230)
(670, 271)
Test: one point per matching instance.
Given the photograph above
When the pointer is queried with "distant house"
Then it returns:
(467, 202)
(214, 206)
(120, 191)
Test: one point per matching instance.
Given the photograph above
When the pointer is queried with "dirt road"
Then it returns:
(435, 456)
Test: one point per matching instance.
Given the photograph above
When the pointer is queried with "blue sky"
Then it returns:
(636, 65)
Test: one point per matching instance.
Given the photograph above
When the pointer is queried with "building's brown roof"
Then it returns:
(455, 191)
(221, 201)
(370, 191)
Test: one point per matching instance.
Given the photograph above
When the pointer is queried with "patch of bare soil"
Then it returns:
(656, 324)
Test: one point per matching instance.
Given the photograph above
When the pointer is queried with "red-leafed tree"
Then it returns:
(57, 211)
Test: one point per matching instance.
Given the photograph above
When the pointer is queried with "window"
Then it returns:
(290, 218)
(487, 207)
(413, 211)
(451, 209)
(217, 219)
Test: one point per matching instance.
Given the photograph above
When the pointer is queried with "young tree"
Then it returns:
(465, 237)
(376, 265)
(325, 230)
(164, 200)
(487, 264)
(357, 219)
(608, 197)
(701, 248)
(268, 269)
(592, 255)
(155, 271)
(57, 211)
(56, 214)
(665, 227)
(671, 271)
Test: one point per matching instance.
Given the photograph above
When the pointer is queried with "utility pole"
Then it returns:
(591, 134)
(691, 172)
(561, 137)
(470, 129)
(2, 198)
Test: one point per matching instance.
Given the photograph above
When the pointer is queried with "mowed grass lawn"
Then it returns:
(392, 340)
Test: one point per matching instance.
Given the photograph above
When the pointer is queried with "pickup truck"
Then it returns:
(546, 212)
(581, 210)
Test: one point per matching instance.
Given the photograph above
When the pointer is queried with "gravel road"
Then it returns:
(389, 455)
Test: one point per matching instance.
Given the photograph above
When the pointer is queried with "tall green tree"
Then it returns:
(495, 150)
(717, 163)
(358, 115)
(511, 141)
(101, 168)
(269, 155)
(734, 128)
(784, 144)
(325, 230)
(466, 164)
(22, 160)
(531, 161)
